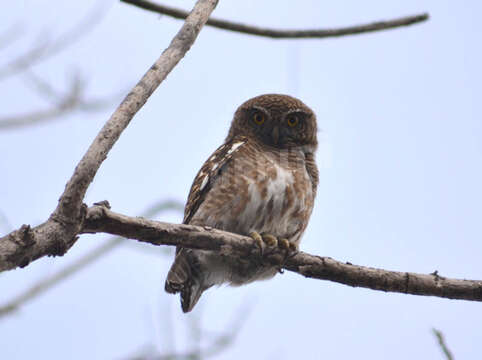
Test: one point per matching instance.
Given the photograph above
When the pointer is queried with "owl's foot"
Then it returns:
(258, 239)
(265, 240)
(270, 240)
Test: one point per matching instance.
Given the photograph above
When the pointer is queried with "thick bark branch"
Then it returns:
(79, 264)
(284, 34)
(100, 219)
(71, 200)
(58, 234)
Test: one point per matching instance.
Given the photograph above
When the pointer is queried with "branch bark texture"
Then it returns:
(283, 34)
(101, 219)
(59, 232)
(88, 258)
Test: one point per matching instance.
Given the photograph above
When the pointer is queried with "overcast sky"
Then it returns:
(400, 164)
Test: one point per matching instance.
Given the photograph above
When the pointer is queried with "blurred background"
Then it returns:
(399, 113)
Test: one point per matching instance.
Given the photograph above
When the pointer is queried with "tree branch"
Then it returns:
(59, 233)
(101, 219)
(50, 281)
(443, 346)
(283, 34)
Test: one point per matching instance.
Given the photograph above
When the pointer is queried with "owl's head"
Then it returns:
(279, 121)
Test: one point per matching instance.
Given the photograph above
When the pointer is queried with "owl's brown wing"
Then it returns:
(185, 276)
(206, 176)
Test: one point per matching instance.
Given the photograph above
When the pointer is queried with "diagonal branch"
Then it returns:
(100, 219)
(284, 34)
(443, 346)
(71, 200)
(59, 233)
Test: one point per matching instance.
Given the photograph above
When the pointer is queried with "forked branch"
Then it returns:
(59, 232)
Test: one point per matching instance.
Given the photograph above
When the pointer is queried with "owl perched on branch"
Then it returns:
(261, 182)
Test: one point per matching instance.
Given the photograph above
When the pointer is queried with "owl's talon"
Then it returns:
(259, 240)
(284, 244)
(270, 240)
(294, 247)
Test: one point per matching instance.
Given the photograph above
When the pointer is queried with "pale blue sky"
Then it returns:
(400, 168)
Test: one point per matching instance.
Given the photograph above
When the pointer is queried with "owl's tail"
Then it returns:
(185, 277)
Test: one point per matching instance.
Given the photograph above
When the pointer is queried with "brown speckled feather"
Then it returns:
(262, 179)
(207, 175)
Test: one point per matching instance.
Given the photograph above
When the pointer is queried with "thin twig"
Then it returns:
(219, 343)
(62, 104)
(10, 35)
(100, 219)
(55, 236)
(66, 104)
(283, 34)
(79, 264)
(47, 91)
(44, 49)
(441, 341)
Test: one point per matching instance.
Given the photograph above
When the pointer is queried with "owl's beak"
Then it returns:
(275, 135)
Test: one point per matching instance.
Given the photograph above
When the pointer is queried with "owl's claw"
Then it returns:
(267, 240)
(294, 247)
(264, 240)
(270, 240)
(259, 241)
(284, 244)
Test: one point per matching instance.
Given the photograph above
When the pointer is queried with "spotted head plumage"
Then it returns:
(279, 121)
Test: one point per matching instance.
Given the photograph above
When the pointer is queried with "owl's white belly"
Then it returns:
(270, 212)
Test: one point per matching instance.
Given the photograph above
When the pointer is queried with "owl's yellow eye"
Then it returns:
(258, 118)
(293, 121)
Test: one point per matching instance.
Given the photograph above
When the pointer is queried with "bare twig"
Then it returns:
(10, 35)
(66, 103)
(62, 104)
(100, 219)
(44, 49)
(283, 34)
(56, 235)
(79, 264)
(44, 89)
(441, 341)
(217, 346)
(219, 343)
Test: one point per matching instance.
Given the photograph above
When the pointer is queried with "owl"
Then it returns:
(262, 183)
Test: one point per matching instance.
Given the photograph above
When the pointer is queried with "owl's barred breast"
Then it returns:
(259, 191)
